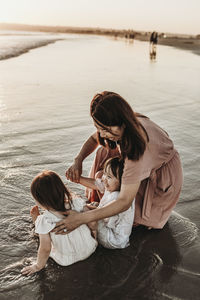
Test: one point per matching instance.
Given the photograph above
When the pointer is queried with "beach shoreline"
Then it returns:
(184, 42)
(20, 51)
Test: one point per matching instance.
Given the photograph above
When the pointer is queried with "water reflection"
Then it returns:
(2, 104)
(3, 108)
(152, 55)
(136, 272)
(150, 264)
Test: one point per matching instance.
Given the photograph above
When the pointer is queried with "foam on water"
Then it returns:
(15, 43)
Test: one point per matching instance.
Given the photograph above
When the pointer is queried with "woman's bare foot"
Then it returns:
(34, 212)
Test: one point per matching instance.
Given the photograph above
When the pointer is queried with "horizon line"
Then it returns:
(38, 26)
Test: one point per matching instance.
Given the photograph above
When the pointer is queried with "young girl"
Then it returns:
(52, 195)
(112, 232)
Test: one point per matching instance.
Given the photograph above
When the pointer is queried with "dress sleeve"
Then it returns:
(136, 171)
(78, 204)
(44, 225)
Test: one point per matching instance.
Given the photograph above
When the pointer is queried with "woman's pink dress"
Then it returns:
(159, 171)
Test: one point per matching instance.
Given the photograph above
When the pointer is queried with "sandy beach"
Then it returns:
(189, 43)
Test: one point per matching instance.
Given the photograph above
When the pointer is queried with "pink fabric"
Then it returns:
(102, 155)
(159, 171)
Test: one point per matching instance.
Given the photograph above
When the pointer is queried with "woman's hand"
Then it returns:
(74, 172)
(68, 224)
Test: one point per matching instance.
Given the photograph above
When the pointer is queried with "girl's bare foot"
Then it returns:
(92, 205)
(136, 224)
(149, 228)
(34, 212)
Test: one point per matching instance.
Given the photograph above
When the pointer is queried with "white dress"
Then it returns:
(114, 232)
(69, 248)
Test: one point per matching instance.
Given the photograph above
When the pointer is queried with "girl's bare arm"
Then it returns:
(42, 256)
(88, 182)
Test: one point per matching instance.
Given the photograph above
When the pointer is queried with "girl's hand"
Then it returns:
(92, 205)
(74, 172)
(30, 269)
(68, 224)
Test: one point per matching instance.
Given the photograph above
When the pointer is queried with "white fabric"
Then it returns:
(69, 248)
(114, 232)
(100, 185)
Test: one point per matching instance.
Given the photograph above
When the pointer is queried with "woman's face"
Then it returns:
(113, 133)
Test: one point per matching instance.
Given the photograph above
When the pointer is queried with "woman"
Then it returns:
(152, 168)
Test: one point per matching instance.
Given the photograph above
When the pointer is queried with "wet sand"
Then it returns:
(146, 270)
(158, 264)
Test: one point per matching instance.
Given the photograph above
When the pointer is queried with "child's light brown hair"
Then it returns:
(48, 189)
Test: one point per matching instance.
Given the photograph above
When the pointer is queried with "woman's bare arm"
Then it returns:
(75, 170)
(122, 203)
(88, 147)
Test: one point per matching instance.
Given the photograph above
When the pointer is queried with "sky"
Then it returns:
(175, 16)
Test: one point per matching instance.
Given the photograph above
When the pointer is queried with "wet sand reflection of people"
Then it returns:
(144, 267)
(153, 45)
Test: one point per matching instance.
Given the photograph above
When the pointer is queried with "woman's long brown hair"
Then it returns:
(110, 109)
(49, 190)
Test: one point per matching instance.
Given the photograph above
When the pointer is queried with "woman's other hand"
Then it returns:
(74, 172)
(68, 224)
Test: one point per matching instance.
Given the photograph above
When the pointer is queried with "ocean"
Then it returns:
(44, 119)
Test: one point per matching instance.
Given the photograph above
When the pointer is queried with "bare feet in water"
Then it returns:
(34, 212)
(136, 225)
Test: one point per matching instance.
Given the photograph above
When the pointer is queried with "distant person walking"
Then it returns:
(153, 44)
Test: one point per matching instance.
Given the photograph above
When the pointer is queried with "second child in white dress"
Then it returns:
(51, 194)
(112, 232)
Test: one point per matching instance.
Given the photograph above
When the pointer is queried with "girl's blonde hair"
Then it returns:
(48, 189)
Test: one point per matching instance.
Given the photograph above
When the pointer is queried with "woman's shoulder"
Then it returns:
(152, 128)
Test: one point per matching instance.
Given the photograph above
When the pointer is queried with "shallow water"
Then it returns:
(44, 119)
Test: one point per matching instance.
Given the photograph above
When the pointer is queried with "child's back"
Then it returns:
(68, 248)
(52, 195)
